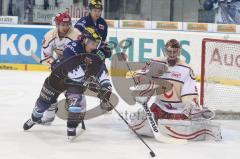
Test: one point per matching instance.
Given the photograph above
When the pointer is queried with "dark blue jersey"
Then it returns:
(100, 26)
(73, 48)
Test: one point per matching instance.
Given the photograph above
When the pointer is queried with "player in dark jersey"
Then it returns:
(95, 20)
(69, 70)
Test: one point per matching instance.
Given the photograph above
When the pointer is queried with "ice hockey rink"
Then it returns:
(105, 137)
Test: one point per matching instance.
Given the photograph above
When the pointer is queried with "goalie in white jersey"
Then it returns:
(180, 102)
(177, 102)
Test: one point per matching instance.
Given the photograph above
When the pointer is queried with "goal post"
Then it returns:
(220, 77)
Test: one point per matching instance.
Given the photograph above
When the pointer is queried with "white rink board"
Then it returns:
(191, 42)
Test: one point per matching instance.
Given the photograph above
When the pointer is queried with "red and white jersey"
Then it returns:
(52, 43)
(183, 91)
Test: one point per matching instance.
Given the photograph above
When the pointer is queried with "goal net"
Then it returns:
(220, 77)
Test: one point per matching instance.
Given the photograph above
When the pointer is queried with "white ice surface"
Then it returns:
(106, 136)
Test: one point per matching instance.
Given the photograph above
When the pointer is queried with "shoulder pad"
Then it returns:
(82, 22)
(73, 34)
(48, 37)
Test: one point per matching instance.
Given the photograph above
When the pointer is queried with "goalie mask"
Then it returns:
(172, 51)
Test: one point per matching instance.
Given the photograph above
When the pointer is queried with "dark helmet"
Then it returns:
(91, 34)
(95, 4)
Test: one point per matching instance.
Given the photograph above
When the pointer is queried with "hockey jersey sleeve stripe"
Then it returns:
(169, 79)
(189, 94)
(184, 66)
(59, 49)
(171, 101)
(69, 38)
(159, 61)
(48, 43)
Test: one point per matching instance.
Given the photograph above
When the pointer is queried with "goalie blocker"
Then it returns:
(176, 110)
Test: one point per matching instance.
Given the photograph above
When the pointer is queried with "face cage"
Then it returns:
(172, 53)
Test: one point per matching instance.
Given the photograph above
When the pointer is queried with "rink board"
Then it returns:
(17, 42)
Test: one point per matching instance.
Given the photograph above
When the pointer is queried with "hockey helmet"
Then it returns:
(172, 49)
(62, 17)
(91, 35)
(95, 4)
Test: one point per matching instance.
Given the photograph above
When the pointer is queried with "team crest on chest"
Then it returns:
(176, 74)
(100, 26)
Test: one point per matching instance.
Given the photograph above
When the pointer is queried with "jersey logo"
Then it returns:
(101, 26)
(168, 95)
(176, 74)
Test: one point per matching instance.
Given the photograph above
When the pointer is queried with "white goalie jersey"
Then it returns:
(183, 91)
(177, 93)
(52, 43)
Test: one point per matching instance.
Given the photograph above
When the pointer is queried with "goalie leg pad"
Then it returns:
(139, 123)
(178, 129)
(191, 130)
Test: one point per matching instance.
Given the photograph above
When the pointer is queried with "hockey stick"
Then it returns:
(44, 61)
(157, 134)
(109, 103)
(134, 131)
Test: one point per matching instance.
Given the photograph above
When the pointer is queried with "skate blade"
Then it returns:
(73, 138)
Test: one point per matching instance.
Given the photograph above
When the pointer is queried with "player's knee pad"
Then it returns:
(76, 108)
